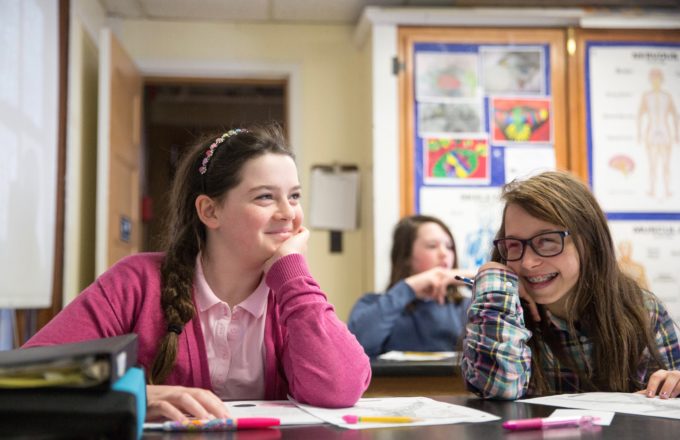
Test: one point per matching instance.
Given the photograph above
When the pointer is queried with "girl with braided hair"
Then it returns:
(229, 310)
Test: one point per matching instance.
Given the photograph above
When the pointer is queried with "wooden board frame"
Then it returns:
(577, 86)
(408, 36)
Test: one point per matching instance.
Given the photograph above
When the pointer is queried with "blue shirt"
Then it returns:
(381, 322)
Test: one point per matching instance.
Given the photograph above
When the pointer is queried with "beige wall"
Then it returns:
(81, 160)
(334, 111)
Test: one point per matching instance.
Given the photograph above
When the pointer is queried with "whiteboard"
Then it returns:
(29, 87)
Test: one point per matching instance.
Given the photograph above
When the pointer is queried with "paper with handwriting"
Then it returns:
(428, 411)
(628, 403)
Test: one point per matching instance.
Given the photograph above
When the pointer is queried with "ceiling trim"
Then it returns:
(514, 17)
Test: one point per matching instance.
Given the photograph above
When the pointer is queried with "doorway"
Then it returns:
(177, 112)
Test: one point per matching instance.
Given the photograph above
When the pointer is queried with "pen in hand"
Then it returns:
(466, 280)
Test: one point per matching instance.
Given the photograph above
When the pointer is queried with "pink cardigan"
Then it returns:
(310, 354)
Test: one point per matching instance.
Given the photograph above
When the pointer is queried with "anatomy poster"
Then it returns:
(649, 251)
(633, 94)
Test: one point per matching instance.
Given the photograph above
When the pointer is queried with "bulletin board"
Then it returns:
(482, 107)
(628, 87)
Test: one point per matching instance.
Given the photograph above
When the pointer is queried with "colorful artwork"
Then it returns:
(456, 160)
(446, 75)
(521, 120)
(513, 71)
(452, 117)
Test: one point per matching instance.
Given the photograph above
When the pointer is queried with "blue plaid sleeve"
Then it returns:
(496, 359)
(665, 335)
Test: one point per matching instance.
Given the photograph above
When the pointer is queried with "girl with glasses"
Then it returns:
(553, 313)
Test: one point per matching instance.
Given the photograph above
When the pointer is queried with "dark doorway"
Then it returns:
(177, 112)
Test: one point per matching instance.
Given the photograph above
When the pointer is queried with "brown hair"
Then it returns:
(185, 234)
(405, 234)
(605, 301)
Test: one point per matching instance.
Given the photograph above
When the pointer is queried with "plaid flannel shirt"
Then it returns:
(497, 360)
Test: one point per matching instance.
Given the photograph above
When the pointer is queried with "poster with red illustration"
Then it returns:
(452, 161)
(520, 121)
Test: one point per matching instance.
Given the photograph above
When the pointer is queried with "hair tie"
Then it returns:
(211, 150)
(177, 329)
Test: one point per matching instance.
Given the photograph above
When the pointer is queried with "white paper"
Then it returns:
(418, 355)
(603, 418)
(523, 162)
(429, 411)
(334, 199)
(627, 403)
(286, 411)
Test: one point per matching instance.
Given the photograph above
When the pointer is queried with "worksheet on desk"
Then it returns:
(284, 410)
(428, 411)
(395, 355)
(627, 403)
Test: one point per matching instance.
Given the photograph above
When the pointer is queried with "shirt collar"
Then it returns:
(255, 303)
(559, 323)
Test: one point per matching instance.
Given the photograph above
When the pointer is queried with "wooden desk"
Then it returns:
(623, 427)
(416, 378)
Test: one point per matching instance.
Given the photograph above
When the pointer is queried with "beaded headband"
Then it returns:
(210, 151)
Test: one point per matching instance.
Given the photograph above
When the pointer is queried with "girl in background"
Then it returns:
(229, 310)
(595, 329)
(422, 309)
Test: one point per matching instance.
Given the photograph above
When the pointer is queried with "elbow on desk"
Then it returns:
(487, 388)
(342, 392)
(507, 391)
(334, 397)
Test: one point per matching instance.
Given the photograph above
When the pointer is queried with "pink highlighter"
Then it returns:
(549, 423)
(221, 424)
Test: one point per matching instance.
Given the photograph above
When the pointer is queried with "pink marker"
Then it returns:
(221, 424)
(548, 423)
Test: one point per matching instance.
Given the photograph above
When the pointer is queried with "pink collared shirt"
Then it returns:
(234, 340)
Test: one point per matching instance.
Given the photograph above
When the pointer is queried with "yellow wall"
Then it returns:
(334, 112)
(81, 157)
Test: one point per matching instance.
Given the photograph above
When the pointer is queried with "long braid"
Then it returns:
(177, 272)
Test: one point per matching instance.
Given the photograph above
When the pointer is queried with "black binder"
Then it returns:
(111, 407)
(50, 413)
(97, 363)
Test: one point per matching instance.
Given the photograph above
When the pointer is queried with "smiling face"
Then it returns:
(262, 211)
(547, 279)
(432, 248)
